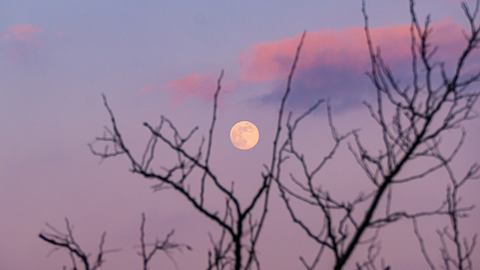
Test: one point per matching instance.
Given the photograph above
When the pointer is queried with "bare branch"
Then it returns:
(67, 242)
(166, 246)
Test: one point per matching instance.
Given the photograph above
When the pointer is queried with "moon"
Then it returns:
(244, 135)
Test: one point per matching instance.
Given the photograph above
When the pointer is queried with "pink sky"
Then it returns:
(154, 59)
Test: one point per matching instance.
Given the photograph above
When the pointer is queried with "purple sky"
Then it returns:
(162, 57)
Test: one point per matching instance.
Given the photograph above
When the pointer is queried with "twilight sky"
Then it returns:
(162, 57)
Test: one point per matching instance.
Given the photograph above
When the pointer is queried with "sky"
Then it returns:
(153, 58)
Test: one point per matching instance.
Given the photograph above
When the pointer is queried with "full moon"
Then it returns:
(244, 135)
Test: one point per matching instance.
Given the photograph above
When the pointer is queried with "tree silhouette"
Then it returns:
(67, 242)
(412, 119)
(166, 246)
(239, 228)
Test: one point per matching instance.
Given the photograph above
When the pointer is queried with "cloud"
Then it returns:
(333, 63)
(202, 85)
(147, 88)
(193, 84)
(23, 33)
(22, 40)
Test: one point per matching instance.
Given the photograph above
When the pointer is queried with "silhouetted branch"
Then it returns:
(421, 242)
(238, 222)
(166, 246)
(66, 241)
(461, 257)
(412, 120)
(373, 252)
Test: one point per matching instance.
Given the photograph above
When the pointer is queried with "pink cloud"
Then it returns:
(23, 33)
(147, 88)
(197, 84)
(333, 63)
(22, 41)
(337, 49)
(193, 84)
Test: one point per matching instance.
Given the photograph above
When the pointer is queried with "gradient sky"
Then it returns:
(162, 57)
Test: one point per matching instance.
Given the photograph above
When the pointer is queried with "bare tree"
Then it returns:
(67, 242)
(450, 236)
(166, 246)
(413, 119)
(239, 228)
